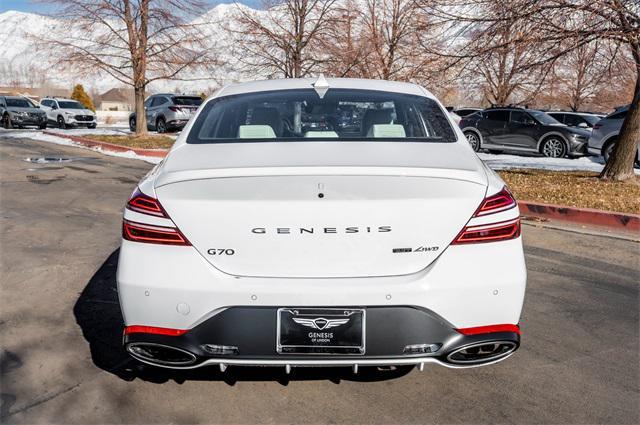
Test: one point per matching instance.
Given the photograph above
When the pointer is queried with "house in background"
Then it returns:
(116, 99)
(33, 93)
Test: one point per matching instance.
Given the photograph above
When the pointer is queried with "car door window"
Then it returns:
(498, 116)
(618, 116)
(519, 117)
(573, 120)
(159, 101)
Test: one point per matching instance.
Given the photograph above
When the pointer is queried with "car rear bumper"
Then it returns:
(249, 337)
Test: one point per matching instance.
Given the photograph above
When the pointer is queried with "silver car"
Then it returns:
(167, 112)
(18, 111)
(605, 134)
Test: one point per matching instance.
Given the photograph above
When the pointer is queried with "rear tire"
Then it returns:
(553, 147)
(132, 125)
(608, 150)
(6, 121)
(61, 124)
(473, 140)
(161, 126)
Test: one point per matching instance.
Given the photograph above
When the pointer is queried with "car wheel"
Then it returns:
(6, 121)
(132, 125)
(608, 150)
(495, 151)
(554, 147)
(61, 123)
(473, 140)
(161, 126)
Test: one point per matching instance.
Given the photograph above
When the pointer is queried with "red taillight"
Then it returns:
(175, 108)
(494, 232)
(145, 233)
(490, 329)
(144, 204)
(153, 330)
(499, 202)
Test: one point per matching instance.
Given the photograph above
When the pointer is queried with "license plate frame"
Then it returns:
(320, 321)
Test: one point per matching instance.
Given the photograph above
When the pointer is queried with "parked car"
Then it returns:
(523, 130)
(167, 112)
(68, 113)
(464, 111)
(18, 111)
(274, 234)
(605, 134)
(584, 120)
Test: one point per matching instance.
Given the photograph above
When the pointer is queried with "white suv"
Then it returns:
(68, 113)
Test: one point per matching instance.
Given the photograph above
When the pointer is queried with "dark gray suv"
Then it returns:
(525, 130)
(167, 112)
(18, 111)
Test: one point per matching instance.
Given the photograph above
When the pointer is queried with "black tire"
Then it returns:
(132, 124)
(61, 124)
(495, 151)
(553, 147)
(161, 126)
(608, 150)
(6, 121)
(473, 139)
(43, 126)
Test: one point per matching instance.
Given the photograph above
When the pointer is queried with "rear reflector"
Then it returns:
(136, 329)
(144, 204)
(489, 232)
(145, 233)
(490, 329)
(499, 202)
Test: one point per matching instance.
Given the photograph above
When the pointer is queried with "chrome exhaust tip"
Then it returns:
(162, 355)
(481, 352)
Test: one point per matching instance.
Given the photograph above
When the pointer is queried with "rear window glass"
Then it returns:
(187, 101)
(497, 115)
(301, 115)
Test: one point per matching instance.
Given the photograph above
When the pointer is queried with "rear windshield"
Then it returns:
(544, 118)
(187, 101)
(19, 103)
(341, 115)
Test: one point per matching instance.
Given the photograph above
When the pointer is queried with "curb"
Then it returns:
(589, 216)
(159, 153)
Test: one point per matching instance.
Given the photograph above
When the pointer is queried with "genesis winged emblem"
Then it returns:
(321, 323)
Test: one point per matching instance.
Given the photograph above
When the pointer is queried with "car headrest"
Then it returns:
(386, 130)
(267, 116)
(376, 116)
(255, 132)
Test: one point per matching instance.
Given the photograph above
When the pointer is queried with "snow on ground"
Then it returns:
(38, 135)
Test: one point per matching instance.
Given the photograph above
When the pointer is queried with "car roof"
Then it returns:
(306, 83)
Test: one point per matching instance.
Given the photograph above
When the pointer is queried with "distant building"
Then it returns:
(115, 100)
(33, 93)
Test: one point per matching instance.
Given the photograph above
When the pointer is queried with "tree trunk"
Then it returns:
(620, 164)
(141, 116)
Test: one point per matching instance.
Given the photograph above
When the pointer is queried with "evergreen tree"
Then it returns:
(81, 96)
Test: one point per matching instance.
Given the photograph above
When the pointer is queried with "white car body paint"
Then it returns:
(217, 194)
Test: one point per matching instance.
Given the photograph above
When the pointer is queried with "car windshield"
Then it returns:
(70, 104)
(187, 101)
(340, 115)
(20, 103)
(544, 118)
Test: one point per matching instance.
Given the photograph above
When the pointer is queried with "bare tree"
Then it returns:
(392, 31)
(280, 40)
(134, 41)
(558, 28)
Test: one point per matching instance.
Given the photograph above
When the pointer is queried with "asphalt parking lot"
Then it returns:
(60, 328)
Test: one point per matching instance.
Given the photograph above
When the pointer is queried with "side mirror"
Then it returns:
(583, 125)
(54, 107)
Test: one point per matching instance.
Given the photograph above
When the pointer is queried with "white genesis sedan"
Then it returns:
(321, 222)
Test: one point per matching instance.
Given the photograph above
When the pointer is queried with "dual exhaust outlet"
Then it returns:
(475, 354)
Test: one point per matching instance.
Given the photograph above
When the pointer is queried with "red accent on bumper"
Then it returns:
(153, 330)
(490, 329)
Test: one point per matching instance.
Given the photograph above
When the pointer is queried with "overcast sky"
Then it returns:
(38, 7)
